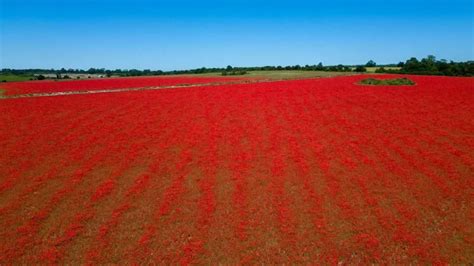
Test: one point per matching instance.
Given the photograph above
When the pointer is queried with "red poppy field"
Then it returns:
(52, 86)
(321, 171)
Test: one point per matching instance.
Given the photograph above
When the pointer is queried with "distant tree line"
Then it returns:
(431, 66)
(425, 66)
(229, 70)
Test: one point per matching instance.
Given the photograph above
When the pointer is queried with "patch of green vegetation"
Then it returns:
(13, 77)
(2, 92)
(387, 82)
(234, 73)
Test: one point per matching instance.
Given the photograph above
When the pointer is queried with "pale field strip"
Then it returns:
(66, 93)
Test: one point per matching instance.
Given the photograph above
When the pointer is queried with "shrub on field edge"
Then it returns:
(387, 82)
(360, 69)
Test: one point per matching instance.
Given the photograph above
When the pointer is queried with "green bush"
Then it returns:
(360, 69)
(371, 63)
(380, 70)
(387, 82)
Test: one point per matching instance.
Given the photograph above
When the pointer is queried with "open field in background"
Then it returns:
(14, 78)
(52, 86)
(286, 74)
(299, 171)
(298, 74)
(295, 74)
(372, 69)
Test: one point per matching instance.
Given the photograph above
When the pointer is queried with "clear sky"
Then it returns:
(182, 34)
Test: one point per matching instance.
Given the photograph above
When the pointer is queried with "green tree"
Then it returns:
(412, 65)
(371, 63)
(320, 66)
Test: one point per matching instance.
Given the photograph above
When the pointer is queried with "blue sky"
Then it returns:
(183, 34)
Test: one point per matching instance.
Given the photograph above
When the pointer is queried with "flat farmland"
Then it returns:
(321, 171)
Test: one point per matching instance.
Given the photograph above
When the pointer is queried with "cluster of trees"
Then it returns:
(431, 66)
